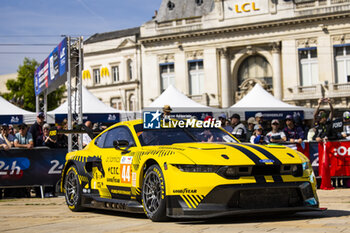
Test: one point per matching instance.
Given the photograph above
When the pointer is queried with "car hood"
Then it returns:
(238, 154)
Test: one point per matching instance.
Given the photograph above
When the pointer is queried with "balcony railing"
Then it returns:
(307, 92)
(339, 90)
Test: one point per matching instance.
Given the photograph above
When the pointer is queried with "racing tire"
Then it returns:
(153, 194)
(73, 189)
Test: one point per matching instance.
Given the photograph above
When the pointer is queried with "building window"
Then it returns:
(255, 67)
(132, 103)
(196, 75)
(130, 68)
(308, 66)
(199, 2)
(342, 58)
(167, 75)
(117, 103)
(115, 73)
(97, 77)
(171, 5)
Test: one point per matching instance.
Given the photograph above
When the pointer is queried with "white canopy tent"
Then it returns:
(180, 103)
(11, 114)
(259, 100)
(92, 105)
(173, 97)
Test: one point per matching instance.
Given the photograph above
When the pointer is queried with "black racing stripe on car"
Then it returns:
(188, 201)
(247, 152)
(260, 179)
(194, 201)
(277, 179)
(198, 199)
(266, 153)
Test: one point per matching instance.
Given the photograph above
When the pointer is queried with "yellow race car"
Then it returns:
(186, 172)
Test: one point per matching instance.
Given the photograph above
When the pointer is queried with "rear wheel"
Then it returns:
(153, 194)
(73, 189)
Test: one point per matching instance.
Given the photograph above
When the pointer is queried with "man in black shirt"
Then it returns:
(37, 128)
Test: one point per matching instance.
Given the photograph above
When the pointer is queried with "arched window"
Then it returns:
(255, 67)
(130, 69)
(132, 103)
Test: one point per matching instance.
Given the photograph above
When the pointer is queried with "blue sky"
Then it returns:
(43, 21)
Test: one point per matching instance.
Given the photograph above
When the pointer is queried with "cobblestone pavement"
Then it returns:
(52, 215)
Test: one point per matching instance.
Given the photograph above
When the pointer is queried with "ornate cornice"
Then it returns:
(239, 28)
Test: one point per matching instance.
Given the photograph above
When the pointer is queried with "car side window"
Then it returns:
(100, 141)
(118, 133)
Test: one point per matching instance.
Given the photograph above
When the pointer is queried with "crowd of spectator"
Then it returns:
(38, 134)
(290, 130)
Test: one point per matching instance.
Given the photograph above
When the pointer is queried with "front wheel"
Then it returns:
(153, 194)
(73, 189)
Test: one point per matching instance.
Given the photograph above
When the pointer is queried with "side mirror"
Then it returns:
(119, 144)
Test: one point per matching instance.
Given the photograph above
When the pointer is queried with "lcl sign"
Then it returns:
(246, 7)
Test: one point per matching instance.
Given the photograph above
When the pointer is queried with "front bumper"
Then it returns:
(244, 199)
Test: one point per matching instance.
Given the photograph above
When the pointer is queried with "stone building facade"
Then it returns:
(112, 68)
(214, 51)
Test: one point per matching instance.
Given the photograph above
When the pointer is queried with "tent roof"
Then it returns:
(9, 109)
(258, 97)
(173, 97)
(91, 104)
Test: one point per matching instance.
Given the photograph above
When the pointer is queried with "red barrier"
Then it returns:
(324, 165)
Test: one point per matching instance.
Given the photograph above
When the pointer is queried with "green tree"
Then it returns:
(22, 89)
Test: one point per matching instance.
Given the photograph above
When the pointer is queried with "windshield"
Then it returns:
(150, 137)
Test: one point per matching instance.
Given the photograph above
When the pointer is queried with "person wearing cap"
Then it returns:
(37, 128)
(258, 136)
(346, 125)
(225, 123)
(6, 139)
(293, 133)
(275, 135)
(166, 112)
(239, 130)
(323, 129)
(12, 130)
(250, 129)
(24, 139)
(320, 112)
(259, 118)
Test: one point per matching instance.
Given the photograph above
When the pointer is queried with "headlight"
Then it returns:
(197, 168)
(305, 166)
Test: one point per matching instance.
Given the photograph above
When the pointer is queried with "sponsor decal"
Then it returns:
(151, 120)
(341, 151)
(113, 170)
(134, 179)
(266, 161)
(113, 180)
(122, 192)
(126, 160)
(185, 190)
(125, 167)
